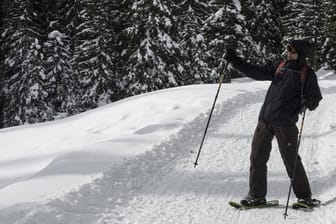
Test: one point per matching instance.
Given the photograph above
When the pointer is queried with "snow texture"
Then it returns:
(132, 161)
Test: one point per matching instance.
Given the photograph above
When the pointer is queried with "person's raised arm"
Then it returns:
(254, 71)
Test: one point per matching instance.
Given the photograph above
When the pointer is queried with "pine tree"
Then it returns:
(329, 46)
(111, 29)
(118, 16)
(223, 30)
(23, 67)
(191, 16)
(92, 56)
(262, 19)
(56, 21)
(2, 15)
(60, 82)
(153, 53)
(305, 21)
(69, 19)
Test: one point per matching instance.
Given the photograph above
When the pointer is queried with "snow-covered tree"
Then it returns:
(60, 82)
(2, 15)
(59, 71)
(191, 16)
(24, 74)
(223, 29)
(153, 52)
(114, 25)
(118, 20)
(73, 55)
(56, 56)
(329, 47)
(262, 20)
(92, 56)
(305, 20)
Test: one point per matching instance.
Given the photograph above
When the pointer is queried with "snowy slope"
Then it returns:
(145, 146)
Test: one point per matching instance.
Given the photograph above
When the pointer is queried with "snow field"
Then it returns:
(161, 185)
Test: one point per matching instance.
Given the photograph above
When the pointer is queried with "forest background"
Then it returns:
(64, 57)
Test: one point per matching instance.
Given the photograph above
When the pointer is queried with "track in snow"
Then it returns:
(162, 186)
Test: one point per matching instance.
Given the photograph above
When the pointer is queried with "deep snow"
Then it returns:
(132, 161)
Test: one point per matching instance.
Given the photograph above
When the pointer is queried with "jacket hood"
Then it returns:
(302, 47)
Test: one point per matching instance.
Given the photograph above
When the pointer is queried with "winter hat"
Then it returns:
(302, 47)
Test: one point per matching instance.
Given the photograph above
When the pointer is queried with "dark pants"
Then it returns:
(261, 147)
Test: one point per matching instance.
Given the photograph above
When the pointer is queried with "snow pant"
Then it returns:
(287, 138)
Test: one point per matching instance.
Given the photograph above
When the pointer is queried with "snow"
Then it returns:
(132, 161)
(199, 38)
(57, 36)
(168, 23)
(326, 74)
(237, 5)
(34, 91)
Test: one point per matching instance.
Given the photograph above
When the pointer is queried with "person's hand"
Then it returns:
(303, 109)
(230, 54)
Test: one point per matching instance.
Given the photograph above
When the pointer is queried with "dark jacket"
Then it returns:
(282, 104)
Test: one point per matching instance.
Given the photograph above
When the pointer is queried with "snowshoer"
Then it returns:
(288, 95)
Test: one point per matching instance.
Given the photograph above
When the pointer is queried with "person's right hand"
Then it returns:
(230, 54)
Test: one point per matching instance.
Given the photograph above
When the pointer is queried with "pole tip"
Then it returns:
(195, 164)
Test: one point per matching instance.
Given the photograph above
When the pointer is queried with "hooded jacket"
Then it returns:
(283, 100)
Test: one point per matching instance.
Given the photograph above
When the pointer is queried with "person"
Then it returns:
(286, 97)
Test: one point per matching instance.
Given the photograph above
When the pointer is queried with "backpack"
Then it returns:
(303, 74)
(303, 71)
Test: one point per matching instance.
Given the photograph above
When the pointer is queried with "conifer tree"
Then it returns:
(111, 29)
(262, 20)
(70, 11)
(59, 71)
(2, 12)
(92, 56)
(222, 30)
(118, 17)
(154, 53)
(24, 73)
(329, 46)
(69, 20)
(60, 82)
(305, 21)
(191, 16)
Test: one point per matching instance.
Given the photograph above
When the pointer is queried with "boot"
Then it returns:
(252, 201)
(310, 202)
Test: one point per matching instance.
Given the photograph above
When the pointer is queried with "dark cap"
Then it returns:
(302, 47)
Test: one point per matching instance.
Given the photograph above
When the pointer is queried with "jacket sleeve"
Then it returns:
(255, 71)
(311, 92)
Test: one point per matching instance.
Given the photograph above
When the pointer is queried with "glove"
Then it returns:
(303, 109)
(230, 55)
(310, 104)
(303, 106)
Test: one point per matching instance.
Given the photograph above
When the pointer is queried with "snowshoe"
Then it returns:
(306, 204)
(267, 204)
(250, 202)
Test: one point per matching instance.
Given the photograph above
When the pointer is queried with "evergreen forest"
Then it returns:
(64, 57)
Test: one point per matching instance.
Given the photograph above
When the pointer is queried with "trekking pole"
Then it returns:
(295, 163)
(212, 109)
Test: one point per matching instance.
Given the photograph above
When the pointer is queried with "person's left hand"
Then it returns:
(230, 54)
